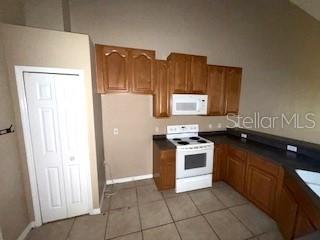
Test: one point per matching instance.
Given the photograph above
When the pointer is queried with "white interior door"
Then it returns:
(56, 110)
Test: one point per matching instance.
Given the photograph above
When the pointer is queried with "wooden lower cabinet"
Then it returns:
(304, 225)
(236, 168)
(262, 183)
(219, 162)
(164, 168)
(287, 212)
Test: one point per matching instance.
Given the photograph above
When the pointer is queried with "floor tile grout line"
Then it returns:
(245, 225)
(205, 218)
(124, 235)
(69, 232)
(229, 209)
(108, 216)
(138, 206)
(174, 222)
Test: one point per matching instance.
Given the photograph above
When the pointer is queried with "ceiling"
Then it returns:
(312, 7)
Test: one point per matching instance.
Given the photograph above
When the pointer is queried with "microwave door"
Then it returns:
(186, 108)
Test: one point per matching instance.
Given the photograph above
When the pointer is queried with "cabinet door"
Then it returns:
(161, 98)
(261, 188)
(216, 90)
(219, 162)
(236, 169)
(179, 70)
(142, 70)
(264, 180)
(233, 87)
(286, 213)
(112, 69)
(168, 169)
(199, 75)
(303, 225)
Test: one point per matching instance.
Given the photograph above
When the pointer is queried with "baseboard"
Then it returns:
(129, 179)
(25, 232)
(95, 211)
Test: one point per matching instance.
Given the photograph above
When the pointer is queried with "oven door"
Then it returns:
(194, 162)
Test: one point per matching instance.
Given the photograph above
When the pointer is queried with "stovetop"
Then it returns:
(186, 137)
(189, 141)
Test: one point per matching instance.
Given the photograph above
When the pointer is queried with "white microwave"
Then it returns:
(189, 104)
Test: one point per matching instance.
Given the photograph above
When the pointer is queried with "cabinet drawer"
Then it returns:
(265, 165)
(236, 152)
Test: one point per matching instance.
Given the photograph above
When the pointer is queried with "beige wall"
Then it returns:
(48, 14)
(13, 207)
(44, 48)
(275, 42)
(12, 11)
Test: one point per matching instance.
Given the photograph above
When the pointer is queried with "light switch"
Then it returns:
(115, 131)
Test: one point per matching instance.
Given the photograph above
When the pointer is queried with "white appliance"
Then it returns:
(194, 157)
(58, 129)
(189, 104)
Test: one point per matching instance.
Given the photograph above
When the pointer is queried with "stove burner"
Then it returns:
(183, 143)
(194, 138)
(176, 139)
(202, 141)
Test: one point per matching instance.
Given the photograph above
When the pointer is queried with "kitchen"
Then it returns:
(279, 75)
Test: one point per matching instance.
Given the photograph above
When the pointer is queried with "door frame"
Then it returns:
(19, 71)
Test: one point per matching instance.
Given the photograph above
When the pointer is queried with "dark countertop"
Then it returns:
(288, 160)
(163, 143)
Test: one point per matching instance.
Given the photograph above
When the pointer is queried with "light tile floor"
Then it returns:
(138, 211)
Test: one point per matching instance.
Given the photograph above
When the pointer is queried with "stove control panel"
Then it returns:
(207, 146)
(174, 129)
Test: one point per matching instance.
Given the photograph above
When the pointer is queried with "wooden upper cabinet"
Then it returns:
(142, 71)
(216, 90)
(199, 74)
(232, 90)
(124, 69)
(161, 97)
(188, 73)
(112, 69)
(179, 70)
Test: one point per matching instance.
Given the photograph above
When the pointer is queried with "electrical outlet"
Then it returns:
(219, 125)
(156, 129)
(292, 148)
(210, 125)
(243, 135)
(115, 131)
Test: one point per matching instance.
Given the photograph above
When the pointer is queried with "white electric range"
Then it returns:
(194, 157)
